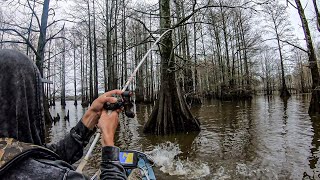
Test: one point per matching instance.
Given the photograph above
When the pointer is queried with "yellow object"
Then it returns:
(128, 157)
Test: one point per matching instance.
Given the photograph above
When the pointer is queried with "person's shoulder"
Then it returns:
(12, 152)
(34, 168)
(21, 160)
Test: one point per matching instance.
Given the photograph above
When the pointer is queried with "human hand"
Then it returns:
(92, 115)
(108, 124)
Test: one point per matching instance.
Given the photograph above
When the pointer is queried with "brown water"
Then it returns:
(266, 138)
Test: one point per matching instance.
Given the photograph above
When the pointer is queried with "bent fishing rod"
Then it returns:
(125, 102)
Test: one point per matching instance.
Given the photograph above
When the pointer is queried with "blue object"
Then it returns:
(135, 159)
(128, 158)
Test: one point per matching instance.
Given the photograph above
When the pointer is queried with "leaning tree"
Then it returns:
(171, 113)
(314, 107)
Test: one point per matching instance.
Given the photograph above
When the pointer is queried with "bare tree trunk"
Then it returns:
(301, 78)
(105, 75)
(224, 29)
(245, 57)
(63, 72)
(140, 74)
(314, 107)
(87, 98)
(170, 114)
(207, 83)
(48, 76)
(195, 73)
(30, 25)
(151, 70)
(109, 47)
(187, 73)
(82, 70)
(284, 93)
(115, 48)
(54, 81)
(74, 72)
(95, 61)
(40, 54)
(124, 44)
(91, 98)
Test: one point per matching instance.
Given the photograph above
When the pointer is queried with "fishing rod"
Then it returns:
(125, 102)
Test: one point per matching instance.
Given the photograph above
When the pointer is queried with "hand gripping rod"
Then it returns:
(97, 136)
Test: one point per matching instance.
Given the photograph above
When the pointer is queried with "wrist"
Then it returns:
(90, 119)
(107, 140)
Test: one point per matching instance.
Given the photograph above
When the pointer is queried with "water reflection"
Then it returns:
(314, 156)
(62, 127)
(266, 138)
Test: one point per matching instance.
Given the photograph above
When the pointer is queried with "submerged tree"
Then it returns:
(280, 28)
(171, 113)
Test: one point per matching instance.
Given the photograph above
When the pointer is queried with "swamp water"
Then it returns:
(265, 138)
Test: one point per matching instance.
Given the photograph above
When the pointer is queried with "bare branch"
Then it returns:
(56, 21)
(143, 12)
(23, 28)
(34, 13)
(24, 38)
(14, 42)
(53, 36)
(144, 26)
(212, 6)
(287, 43)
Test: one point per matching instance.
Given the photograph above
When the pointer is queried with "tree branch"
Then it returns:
(24, 38)
(56, 21)
(287, 43)
(144, 26)
(23, 28)
(34, 13)
(317, 14)
(53, 36)
(214, 6)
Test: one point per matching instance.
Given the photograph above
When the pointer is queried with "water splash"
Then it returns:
(165, 156)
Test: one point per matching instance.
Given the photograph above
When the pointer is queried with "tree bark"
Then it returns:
(170, 114)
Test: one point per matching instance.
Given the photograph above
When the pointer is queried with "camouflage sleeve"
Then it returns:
(70, 149)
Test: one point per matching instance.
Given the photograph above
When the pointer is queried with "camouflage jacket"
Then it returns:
(12, 152)
(20, 160)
